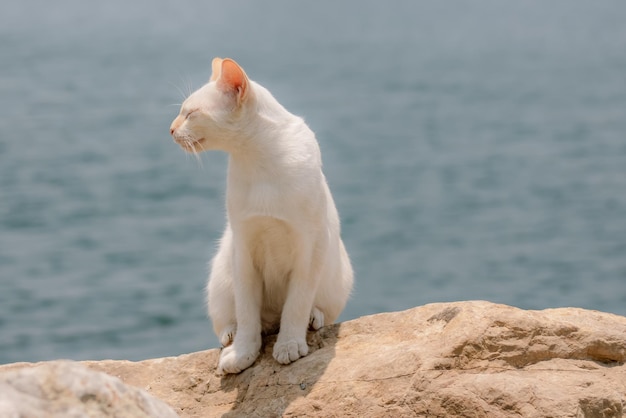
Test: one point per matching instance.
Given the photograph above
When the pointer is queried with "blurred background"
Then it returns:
(475, 150)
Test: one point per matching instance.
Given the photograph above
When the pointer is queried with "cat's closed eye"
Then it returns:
(191, 112)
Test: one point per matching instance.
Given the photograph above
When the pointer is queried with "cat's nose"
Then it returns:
(172, 131)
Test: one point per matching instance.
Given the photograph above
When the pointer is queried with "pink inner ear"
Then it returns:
(233, 78)
(216, 68)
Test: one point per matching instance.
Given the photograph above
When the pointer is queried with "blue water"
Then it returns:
(476, 150)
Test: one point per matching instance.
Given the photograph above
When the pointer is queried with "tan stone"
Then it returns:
(64, 389)
(464, 359)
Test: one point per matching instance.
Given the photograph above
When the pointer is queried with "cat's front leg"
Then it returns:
(291, 346)
(298, 313)
(236, 358)
(248, 289)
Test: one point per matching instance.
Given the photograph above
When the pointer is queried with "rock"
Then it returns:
(67, 389)
(465, 359)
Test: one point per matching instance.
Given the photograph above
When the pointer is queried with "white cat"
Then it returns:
(281, 263)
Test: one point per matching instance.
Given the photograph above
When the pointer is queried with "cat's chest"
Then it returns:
(260, 189)
(257, 197)
(279, 191)
(271, 245)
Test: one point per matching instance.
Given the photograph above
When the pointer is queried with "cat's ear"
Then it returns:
(216, 68)
(232, 79)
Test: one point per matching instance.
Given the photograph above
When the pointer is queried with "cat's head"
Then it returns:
(211, 116)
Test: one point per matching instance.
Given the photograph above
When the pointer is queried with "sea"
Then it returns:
(476, 150)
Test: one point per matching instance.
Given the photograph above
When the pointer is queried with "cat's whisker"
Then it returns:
(189, 88)
(180, 90)
(197, 155)
(186, 146)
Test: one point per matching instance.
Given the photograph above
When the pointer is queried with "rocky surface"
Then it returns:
(465, 359)
(64, 389)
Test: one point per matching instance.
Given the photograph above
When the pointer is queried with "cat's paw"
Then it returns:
(228, 335)
(289, 351)
(234, 359)
(316, 321)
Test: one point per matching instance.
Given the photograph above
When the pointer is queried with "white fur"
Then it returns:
(281, 262)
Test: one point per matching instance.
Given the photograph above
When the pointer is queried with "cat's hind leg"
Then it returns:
(298, 308)
(227, 335)
(316, 320)
(222, 313)
(334, 288)
(220, 292)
